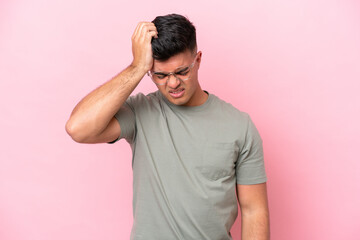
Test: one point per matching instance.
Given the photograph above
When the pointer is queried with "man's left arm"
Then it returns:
(255, 221)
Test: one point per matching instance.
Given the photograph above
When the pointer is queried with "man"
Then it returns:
(194, 155)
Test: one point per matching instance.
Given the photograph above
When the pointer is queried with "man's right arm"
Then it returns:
(92, 120)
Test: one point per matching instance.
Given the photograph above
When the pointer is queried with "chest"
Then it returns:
(206, 146)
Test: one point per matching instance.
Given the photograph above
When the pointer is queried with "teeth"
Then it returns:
(177, 91)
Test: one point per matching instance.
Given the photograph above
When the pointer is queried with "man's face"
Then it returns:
(188, 92)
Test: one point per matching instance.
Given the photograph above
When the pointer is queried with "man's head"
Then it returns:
(175, 58)
(176, 34)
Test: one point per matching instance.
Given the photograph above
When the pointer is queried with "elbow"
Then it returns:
(73, 132)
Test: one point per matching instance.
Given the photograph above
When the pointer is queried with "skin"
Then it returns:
(193, 95)
(255, 220)
(92, 120)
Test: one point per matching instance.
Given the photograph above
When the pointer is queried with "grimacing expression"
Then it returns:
(179, 92)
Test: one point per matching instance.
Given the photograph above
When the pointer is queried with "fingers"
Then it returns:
(141, 45)
(151, 34)
(144, 29)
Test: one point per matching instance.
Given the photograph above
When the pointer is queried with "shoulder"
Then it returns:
(140, 101)
(240, 121)
(142, 98)
(230, 121)
(227, 109)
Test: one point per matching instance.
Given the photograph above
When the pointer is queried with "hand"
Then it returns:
(141, 45)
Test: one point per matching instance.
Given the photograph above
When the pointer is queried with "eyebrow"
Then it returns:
(179, 69)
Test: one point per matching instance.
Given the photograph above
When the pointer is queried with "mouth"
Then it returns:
(177, 93)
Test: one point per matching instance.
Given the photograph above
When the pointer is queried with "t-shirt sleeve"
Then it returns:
(249, 166)
(126, 118)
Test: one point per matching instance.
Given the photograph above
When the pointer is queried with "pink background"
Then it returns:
(294, 66)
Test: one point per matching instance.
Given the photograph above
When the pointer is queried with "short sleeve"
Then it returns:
(126, 118)
(249, 166)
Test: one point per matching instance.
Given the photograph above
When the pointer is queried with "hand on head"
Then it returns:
(141, 45)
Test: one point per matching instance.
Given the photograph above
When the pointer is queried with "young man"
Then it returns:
(194, 155)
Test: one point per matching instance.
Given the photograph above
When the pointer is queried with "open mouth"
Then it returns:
(177, 93)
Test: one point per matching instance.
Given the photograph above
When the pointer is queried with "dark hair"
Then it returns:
(176, 34)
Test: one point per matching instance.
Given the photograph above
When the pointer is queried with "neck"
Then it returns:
(199, 97)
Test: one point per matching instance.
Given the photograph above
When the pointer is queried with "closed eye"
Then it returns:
(160, 75)
(183, 71)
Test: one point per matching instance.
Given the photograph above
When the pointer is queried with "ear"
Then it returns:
(198, 60)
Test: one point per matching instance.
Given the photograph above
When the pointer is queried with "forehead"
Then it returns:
(175, 62)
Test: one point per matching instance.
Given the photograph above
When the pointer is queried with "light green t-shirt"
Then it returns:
(186, 164)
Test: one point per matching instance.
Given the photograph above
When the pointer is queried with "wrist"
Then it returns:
(139, 68)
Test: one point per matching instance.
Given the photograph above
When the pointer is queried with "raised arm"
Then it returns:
(92, 120)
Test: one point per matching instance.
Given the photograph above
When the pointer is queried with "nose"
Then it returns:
(173, 82)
